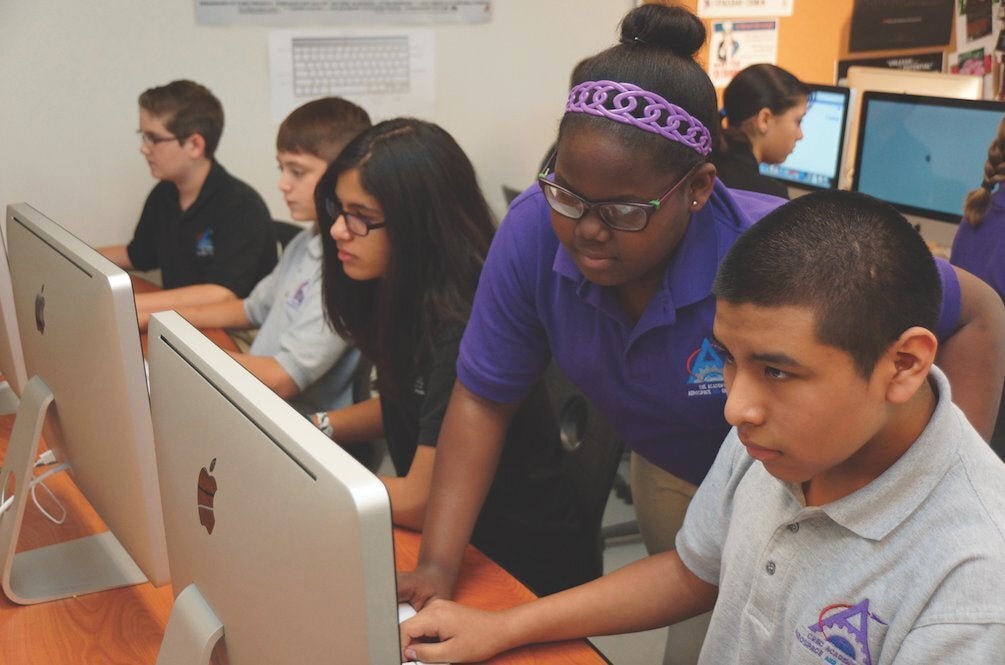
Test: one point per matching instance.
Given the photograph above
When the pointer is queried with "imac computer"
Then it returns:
(923, 154)
(882, 79)
(816, 161)
(87, 390)
(11, 356)
(280, 543)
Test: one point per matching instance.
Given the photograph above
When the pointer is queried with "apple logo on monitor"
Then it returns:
(40, 310)
(206, 491)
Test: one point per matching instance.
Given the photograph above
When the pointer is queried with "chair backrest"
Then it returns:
(285, 232)
(510, 193)
(593, 450)
(370, 454)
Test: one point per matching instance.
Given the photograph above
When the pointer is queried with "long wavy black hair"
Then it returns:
(439, 227)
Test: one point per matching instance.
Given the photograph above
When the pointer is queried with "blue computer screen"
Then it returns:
(816, 161)
(923, 154)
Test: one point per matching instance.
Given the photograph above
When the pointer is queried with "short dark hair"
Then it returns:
(439, 227)
(854, 260)
(321, 127)
(186, 108)
(656, 52)
(761, 86)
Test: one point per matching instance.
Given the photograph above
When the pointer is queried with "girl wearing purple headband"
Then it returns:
(606, 266)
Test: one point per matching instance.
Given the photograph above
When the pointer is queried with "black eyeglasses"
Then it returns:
(357, 224)
(152, 139)
(618, 215)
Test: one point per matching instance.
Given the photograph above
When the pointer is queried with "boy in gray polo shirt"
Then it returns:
(296, 352)
(852, 516)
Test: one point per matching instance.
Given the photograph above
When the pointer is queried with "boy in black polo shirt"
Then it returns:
(210, 234)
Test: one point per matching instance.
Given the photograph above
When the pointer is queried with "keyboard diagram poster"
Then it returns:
(341, 12)
(387, 71)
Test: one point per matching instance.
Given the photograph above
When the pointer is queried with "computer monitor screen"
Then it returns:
(923, 154)
(11, 356)
(905, 82)
(816, 161)
(77, 322)
(283, 534)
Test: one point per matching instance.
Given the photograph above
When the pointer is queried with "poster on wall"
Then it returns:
(341, 12)
(738, 44)
(881, 25)
(978, 31)
(387, 72)
(744, 8)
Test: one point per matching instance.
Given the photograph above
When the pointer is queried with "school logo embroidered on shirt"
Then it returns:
(840, 635)
(297, 299)
(204, 248)
(704, 369)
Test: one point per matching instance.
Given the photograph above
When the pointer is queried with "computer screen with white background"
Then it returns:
(816, 161)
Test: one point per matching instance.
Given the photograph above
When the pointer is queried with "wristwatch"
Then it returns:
(320, 420)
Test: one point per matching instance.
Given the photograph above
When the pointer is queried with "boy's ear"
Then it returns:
(196, 145)
(909, 358)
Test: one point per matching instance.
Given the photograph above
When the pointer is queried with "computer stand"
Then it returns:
(193, 630)
(8, 400)
(81, 566)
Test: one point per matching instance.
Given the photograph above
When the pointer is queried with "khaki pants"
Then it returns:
(661, 501)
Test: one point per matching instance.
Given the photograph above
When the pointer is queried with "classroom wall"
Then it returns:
(71, 72)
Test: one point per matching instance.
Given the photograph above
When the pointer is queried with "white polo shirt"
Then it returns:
(908, 569)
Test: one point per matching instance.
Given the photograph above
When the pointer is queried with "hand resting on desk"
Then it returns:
(420, 586)
(464, 634)
(405, 612)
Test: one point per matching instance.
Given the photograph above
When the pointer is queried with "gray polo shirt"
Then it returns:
(287, 307)
(908, 569)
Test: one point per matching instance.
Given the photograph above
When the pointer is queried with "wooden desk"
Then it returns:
(126, 625)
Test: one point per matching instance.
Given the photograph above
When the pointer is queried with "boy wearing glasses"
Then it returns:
(210, 234)
(296, 353)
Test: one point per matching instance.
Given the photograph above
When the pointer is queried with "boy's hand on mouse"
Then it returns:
(447, 632)
(422, 585)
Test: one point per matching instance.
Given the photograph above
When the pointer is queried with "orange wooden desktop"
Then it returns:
(126, 625)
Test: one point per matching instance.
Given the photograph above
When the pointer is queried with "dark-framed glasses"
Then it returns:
(358, 225)
(618, 215)
(150, 139)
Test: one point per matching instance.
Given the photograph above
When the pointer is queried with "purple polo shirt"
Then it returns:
(981, 250)
(658, 382)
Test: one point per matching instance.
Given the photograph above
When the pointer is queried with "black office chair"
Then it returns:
(593, 450)
(371, 453)
(510, 193)
(285, 232)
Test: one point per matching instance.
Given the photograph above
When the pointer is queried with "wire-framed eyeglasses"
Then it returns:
(149, 139)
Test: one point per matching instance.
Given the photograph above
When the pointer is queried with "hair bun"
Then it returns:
(664, 27)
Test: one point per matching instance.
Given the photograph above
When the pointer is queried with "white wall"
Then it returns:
(71, 71)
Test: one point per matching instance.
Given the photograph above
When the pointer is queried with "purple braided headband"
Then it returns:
(623, 102)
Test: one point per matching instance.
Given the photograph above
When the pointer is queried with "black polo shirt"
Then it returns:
(225, 237)
(737, 168)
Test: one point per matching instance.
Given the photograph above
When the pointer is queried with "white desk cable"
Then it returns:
(46, 458)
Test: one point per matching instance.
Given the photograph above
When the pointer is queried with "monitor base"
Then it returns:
(72, 568)
(193, 630)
